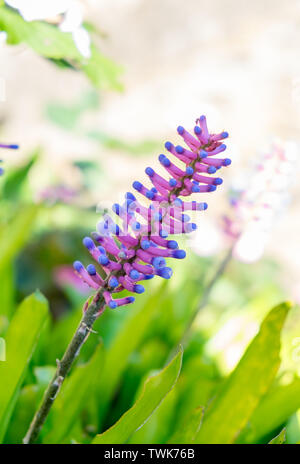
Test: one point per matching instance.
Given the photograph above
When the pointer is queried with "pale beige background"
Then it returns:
(236, 61)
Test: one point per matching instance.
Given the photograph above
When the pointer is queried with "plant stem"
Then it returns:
(206, 294)
(94, 309)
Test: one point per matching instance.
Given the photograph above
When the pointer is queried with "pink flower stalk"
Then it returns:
(255, 208)
(13, 147)
(137, 247)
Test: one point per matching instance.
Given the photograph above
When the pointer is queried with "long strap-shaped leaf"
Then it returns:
(155, 390)
(21, 340)
(252, 378)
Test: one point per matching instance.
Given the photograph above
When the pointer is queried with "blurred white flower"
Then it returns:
(3, 37)
(34, 10)
(257, 206)
(250, 245)
(49, 10)
(72, 22)
(207, 240)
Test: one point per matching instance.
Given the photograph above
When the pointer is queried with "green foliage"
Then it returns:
(21, 339)
(273, 411)
(105, 398)
(50, 42)
(279, 439)
(154, 392)
(242, 391)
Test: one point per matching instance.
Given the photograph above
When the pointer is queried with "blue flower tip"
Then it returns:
(212, 188)
(134, 275)
(203, 154)
(145, 244)
(130, 196)
(130, 299)
(179, 149)
(180, 130)
(195, 188)
(91, 269)
(197, 130)
(163, 234)
(179, 254)
(211, 170)
(139, 288)
(189, 170)
(226, 162)
(103, 260)
(116, 208)
(88, 243)
(113, 304)
(165, 272)
(172, 245)
(158, 262)
(113, 282)
(136, 225)
(172, 182)
(224, 135)
(168, 146)
(185, 218)
(218, 181)
(164, 160)
(150, 194)
(137, 186)
(150, 172)
(78, 266)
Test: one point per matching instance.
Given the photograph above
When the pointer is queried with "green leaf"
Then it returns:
(15, 180)
(15, 234)
(21, 339)
(67, 116)
(7, 293)
(187, 433)
(157, 428)
(49, 41)
(45, 39)
(102, 71)
(155, 390)
(252, 378)
(122, 347)
(273, 411)
(72, 398)
(279, 439)
(25, 408)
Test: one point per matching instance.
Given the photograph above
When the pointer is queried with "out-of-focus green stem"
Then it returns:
(206, 294)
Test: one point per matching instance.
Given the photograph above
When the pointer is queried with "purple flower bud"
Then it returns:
(127, 257)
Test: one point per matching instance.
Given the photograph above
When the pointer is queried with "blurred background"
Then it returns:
(236, 62)
(82, 145)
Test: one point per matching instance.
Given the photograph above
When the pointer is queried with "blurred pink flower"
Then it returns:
(65, 276)
(256, 207)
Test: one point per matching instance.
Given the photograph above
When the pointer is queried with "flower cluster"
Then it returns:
(13, 147)
(256, 207)
(134, 246)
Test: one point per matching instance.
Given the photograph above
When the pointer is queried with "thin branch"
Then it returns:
(95, 308)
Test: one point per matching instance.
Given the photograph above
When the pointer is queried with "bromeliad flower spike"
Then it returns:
(13, 147)
(136, 248)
